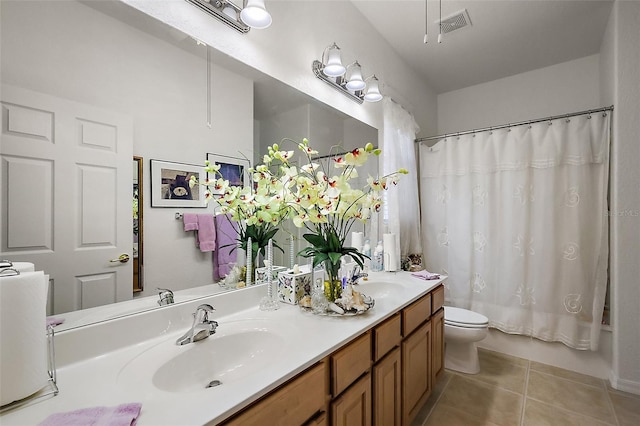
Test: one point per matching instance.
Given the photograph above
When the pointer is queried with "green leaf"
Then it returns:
(315, 240)
(334, 256)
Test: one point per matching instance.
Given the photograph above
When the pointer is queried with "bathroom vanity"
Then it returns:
(289, 366)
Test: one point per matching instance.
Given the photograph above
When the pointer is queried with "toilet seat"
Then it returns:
(463, 318)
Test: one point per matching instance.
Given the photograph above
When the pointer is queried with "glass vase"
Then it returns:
(333, 284)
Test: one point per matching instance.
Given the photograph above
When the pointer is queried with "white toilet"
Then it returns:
(462, 329)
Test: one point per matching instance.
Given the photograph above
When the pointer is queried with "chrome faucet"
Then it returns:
(355, 275)
(166, 296)
(202, 326)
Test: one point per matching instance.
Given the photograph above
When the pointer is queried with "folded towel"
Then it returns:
(206, 232)
(426, 275)
(122, 415)
(53, 321)
(190, 221)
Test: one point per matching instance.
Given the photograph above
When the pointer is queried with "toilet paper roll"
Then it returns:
(23, 340)
(356, 240)
(391, 255)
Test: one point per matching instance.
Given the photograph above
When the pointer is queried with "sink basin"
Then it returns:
(237, 350)
(380, 290)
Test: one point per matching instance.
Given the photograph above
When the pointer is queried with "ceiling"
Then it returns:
(506, 37)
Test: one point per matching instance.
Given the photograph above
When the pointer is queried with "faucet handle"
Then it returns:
(203, 312)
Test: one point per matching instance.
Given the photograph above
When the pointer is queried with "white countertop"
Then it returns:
(92, 358)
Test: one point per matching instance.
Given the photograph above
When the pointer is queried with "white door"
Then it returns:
(67, 196)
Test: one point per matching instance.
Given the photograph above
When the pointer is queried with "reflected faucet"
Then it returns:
(166, 297)
(355, 275)
(202, 326)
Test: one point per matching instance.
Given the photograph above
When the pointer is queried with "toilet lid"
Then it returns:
(464, 318)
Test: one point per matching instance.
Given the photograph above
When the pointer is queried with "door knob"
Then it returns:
(123, 258)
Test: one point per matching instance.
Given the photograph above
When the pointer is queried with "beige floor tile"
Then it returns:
(627, 409)
(502, 371)
(540, 414)
(488, 404)
(450, 416)
(566, 374)
(577, 397)
(485, 353)
(433, 399)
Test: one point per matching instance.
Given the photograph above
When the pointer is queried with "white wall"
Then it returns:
(558, 89)
(620, 62)
(301, 30)
(162, 87)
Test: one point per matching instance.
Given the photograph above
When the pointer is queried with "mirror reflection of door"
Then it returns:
(137, 225)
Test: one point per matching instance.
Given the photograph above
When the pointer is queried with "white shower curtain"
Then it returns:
(402, 206)
(518, 220)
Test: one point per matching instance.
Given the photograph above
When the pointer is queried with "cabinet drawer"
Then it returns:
(415, 314)
(386, 336)
(437, 298)
(350, 362)
(293, 403)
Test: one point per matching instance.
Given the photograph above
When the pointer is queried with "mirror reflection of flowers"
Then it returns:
(258, 211)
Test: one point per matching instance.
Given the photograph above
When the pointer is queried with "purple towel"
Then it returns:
(122, 415)
(206, 232)
(224, 258)
(426, 275)
(190, 221)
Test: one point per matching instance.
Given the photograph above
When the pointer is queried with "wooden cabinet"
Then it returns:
(386, 336)
(387, 376)
(381, 377)
(349, 363)
(353, 407)
(292, 404)
(437, 345)
(416, 371)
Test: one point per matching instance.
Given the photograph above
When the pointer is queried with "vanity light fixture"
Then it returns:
(348, 80)
(253, 14)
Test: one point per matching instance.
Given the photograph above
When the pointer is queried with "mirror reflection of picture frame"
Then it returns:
(170, 185)
(234, 169)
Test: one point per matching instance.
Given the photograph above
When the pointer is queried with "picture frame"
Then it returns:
(234, 169)
(170, 185)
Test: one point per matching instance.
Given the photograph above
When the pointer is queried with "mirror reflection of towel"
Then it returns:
(206, 232)
(224, 258)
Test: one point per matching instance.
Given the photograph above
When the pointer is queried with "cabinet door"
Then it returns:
(291, 404)
(387, 406)
(416, 372)
(353, 407)
(437, 346)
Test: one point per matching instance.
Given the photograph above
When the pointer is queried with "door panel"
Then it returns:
(67, 168)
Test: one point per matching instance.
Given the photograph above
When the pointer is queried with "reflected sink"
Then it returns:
(379, 289)
(237, 350)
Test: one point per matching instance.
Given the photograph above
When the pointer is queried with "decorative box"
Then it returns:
(261, 273)
(293, 287)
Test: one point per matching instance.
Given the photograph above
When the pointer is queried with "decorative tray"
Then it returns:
(366, 304)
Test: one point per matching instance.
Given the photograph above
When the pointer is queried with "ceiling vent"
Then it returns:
(455, 21)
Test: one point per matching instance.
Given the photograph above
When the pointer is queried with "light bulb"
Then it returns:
(334, 67)
(373, 91)
(356, 82)
(255, 14)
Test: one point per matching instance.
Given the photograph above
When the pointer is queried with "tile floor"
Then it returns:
(512, 391)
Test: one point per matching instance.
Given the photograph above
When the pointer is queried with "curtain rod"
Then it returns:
(504, 126)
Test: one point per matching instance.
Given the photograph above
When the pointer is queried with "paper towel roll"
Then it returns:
(23, 340)
(23, 266)
(391, 255)
(356, 240)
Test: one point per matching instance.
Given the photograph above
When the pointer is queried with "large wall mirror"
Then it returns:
(86, 87)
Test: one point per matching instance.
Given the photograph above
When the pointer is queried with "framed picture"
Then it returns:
(235, 170)
(170, 185)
